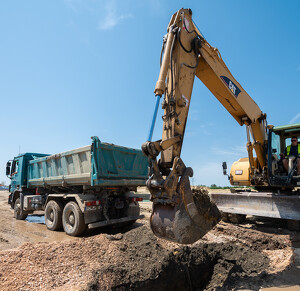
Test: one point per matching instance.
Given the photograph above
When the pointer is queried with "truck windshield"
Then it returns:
(276, 144)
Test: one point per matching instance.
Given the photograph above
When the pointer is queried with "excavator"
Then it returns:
(178, 214)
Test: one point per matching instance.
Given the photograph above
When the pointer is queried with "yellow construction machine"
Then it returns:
(177, 214)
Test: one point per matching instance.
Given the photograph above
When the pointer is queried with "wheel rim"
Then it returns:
(70, 219)
(51, 216)
(18, 208)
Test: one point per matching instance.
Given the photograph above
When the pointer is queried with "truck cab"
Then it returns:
(17, 171)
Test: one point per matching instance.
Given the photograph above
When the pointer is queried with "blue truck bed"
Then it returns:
(99, 164)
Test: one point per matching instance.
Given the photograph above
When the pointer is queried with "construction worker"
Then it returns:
(292, 150)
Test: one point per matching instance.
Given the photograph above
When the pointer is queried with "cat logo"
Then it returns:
(232, 87)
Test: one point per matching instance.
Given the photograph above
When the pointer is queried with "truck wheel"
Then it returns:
(53, 215)
(18, 212)
(73, 221)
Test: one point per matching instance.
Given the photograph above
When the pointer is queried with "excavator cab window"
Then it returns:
(275, 146)
(275, 151)
(280, 138)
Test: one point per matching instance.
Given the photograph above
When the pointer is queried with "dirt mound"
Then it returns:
(147, 264)
(228, 257)
(135, 261)
(255, 239)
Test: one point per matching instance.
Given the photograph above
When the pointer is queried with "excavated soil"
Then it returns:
(230, 257)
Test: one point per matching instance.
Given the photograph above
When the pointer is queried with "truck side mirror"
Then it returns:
(8, 164)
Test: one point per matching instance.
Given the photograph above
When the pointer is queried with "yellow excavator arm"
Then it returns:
(177, 215)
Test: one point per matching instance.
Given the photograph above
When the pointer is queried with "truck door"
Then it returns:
(15, 175)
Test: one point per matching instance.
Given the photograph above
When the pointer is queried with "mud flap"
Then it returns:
(187, 221)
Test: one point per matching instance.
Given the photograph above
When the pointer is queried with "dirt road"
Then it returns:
(253, 255)
(13, 232)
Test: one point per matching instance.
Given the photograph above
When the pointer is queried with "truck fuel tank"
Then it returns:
(33, 202)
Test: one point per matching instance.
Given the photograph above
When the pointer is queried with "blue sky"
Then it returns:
(71, 69)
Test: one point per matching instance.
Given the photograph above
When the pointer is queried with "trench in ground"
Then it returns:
(200, 267)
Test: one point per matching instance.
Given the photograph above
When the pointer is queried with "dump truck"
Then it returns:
(88, 187)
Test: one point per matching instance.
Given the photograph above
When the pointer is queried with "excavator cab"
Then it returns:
(279, 138)
(247, 171)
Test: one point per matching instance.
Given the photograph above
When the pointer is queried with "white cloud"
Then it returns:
(201, 129)
(193, 114)
(105, 12)
(210, 124)
(77, 5)
(111, 20)
(71, 4)
(112, 17)
(235, 151)
(295, 118)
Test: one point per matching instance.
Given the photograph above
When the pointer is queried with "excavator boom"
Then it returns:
(178, 214)
(215, 75)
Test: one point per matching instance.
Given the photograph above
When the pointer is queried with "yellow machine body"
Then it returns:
(240, 173)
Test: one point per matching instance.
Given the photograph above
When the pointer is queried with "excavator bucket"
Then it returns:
(189, 219)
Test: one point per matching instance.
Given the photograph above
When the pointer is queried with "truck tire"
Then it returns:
(53, 215)
(18, 212)
(73, 220)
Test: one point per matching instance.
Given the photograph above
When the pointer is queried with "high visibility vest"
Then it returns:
(288, 149)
